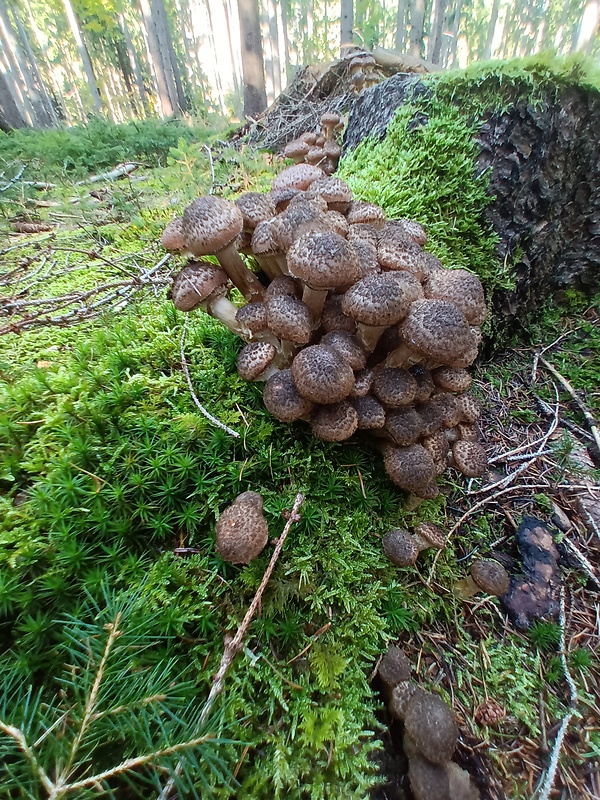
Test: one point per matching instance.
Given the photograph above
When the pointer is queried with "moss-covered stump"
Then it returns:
(535, 130)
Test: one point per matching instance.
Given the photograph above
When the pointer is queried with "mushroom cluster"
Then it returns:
(430, 733)
(363, 72)
(319, 149)
(403, 548)
(355, 326)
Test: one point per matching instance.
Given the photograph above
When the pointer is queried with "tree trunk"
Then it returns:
(588, 26)
(84, 55)
(437, 31)
(48, 111)
(489, 41)
(453, 57)
(286, 38)
(417, 20)
(253, 68)
(134, 64)
(10, 116)
(167, 51)
(274, 41)
(14, 74)
(400, 39)
(236, 83)
(56, 84)
(346, 25)
(165, 89)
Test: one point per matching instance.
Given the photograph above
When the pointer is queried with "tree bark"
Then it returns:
(48, 112)
(346, 25)
(274, 41)
(14, 74)
(437, 31)
(453, 56)
(84, 55)
(253, 68)
(10, 116)
(417, 20)
(59, 100)
(286, 37)
(134, 64)
(400, 39)
(487, 50)
(236, 83)
(164, 89)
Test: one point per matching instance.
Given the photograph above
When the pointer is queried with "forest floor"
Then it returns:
(109, 474)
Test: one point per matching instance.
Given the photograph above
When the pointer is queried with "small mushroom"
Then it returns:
(242, 530)
(400, 547)
(486, 576)
(203, 285)
(469, 458)
(321, 375)
(462, 288)
(334, 423)
(394, 668)
(255, 361)
(371, 414)
(282, 400)
(431, 724)
(412, 469)
(298, 176)
(427, 535)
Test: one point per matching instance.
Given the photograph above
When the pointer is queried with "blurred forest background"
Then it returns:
(63, 61)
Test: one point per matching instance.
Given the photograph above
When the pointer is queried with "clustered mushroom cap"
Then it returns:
(363, 382)
(461, 288)
(430, 722)
(210, 224)
(438, 330)
(451, 379)
(254, 359)
(402, 694)
(348, 347)
(195, 283)
(395, 387)
(490, 576)
(323, 260)
(380, 299)
(333, 318)
(242, 531)
(255, 208)
(334, 423)
(411, 468)
(172, 236)
(394, 667)
(404, 425)
(334, 191)
(282, 400)
(371, 414)
(360, 211)
(299, 176)
(470, 458)
(289, 318)
(400, 547)
(428, 780)
(432, 534)
(252, 317)
(321, 375)
(283, 285)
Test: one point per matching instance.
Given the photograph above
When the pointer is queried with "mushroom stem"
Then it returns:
(269, 266)
(465, 588)
(402, 356)
(223, 309)
(315, 300)
(369, 335)
(239, 274)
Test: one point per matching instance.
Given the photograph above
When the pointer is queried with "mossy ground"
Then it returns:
(108, 468)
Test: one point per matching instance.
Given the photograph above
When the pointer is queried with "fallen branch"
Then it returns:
(14, 180)
(118, 172)
(233, 646)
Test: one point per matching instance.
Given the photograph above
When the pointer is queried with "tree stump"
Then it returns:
(544, 168)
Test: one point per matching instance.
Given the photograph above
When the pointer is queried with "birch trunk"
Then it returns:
(159, 71)
(400, 39)
(253, 68)
(346, 25)
(44, 98)
(437, 31)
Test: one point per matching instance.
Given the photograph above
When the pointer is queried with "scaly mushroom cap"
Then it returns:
(448, 407)
(470, 459)
(336, 193)
(282, 400)
(409, 228)
(402, 693)
(336, 222)
(432, 534)
(330, 118)
(431, 724)
(172, 236)
(255, 208)
(425, 384)
(490, 576)
(452, 380)
(298, 219)
(437, 445)
(401, 548)
(298, 176)
(432, 417)
(468, 433)
(437, 329)
(334, 423)
(371, 414)
(316, 157)
(254, 359)
(195, 282)
(431, 264)
(461, 288)
(380, 299)
(289, 318)
(347, 346)
(394, 667)
(404, 425)
(333, 318)
(210, 224)
(323, 260)
(363, 232)
(367, 257)
(242, 530)
(368, 213)
(263, 242)
(395, 387)
(363, 383)
(396, 254)
(470, 408)
(296, 150)
(411, 468)
(428, 780)
(321, 375)
(281, 198)
(252, 317)
(309, 137)
(283, 285)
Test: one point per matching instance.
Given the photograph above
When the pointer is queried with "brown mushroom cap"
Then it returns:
(461, 288)
(333, 318)
(425, 384)
(347, 346)
(432, 535)
(336, 193)
(393, 668)
(296, 150)
(252, 317)
(470, 408)
(172, 236)
(255, 208)
(430, 722)
(194, 283)
(371, 414)
(254, 359)
(428, 780)
(400, 547)
(281, 198)
(309, 137)
(395, 387)
(334, 423)
(380, 299)
(298, 218)
(370, 213)
(336, 222)
(402, 693)
(404, 425)
(282, 400)
(448, 407)
(452, 380)
(437, 444)
(321, 375)
(298, 176)
(242, 530)
(490, 576)
(283, 285)
(470, 458)
(410, 229)
(363, 232)
(396, 254)
(323, 260)
(210, 224)
(438, 330)
(289, 318)
(363, 383)
(411, 468)
(263, 242)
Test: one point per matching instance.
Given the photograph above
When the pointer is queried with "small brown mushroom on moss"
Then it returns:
(487, 576)
(242, 530)
(394, 668)
(400, 547)
(430, 722)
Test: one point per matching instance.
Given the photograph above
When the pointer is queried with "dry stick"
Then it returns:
(585, 564)
(233, 646)
(582, 407)
(546, 786)
(212, 169)
(186, 372)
